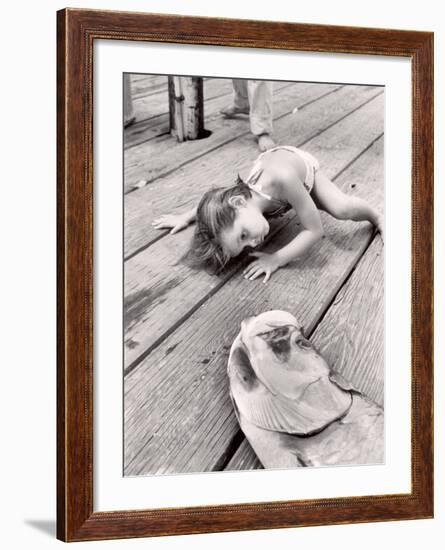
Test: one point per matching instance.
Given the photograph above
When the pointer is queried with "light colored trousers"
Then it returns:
(128, 102)
(255, 95)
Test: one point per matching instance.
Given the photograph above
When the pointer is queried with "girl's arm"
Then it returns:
(292, 190)
(175, 221)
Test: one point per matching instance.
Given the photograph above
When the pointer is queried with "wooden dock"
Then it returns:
(180, 324)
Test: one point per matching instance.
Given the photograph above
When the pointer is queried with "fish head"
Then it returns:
(282, 357)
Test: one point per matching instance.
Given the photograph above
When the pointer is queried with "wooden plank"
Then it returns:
(146, 84)
(148, 94)
(244, 459)
(351, 335)
(183, 188)
(148, 110)
(149, 86)
(162, 156)
(160, 291)
(152, 117)
(178, 414)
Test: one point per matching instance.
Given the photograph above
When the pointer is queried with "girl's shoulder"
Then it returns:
(285, 185)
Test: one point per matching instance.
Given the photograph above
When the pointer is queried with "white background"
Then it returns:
(28, 271)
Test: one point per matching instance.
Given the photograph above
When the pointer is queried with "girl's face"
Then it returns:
(249, 228)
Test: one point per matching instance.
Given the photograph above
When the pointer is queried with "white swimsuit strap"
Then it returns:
(253, 177)
(257, 189)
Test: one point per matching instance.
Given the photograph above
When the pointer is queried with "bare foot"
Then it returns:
(231, 111)
(265, 142)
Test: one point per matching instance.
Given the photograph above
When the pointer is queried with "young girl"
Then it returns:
(230, 219)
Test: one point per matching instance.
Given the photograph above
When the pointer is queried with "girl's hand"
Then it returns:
(266, 263)
(176, 221)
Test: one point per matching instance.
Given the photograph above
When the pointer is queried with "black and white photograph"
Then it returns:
(254, 315)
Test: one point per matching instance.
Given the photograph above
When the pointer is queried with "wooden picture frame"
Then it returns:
(76, 32)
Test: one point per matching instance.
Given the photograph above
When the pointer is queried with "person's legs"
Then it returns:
(260, 101)
(129, 117)
(253, 97)
(240, 103)
(328, 197)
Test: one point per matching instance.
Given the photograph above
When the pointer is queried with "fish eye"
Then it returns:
(243, 236)
(303, 343)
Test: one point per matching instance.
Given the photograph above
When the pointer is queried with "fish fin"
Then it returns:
(274, 449)
(235, 408)
(278, 413)
(342, 382)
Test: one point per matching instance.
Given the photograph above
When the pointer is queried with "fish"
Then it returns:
(292, 407)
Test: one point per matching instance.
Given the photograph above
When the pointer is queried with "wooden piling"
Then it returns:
(186, 107)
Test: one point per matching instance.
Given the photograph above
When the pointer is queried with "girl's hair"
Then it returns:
(214, 214)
